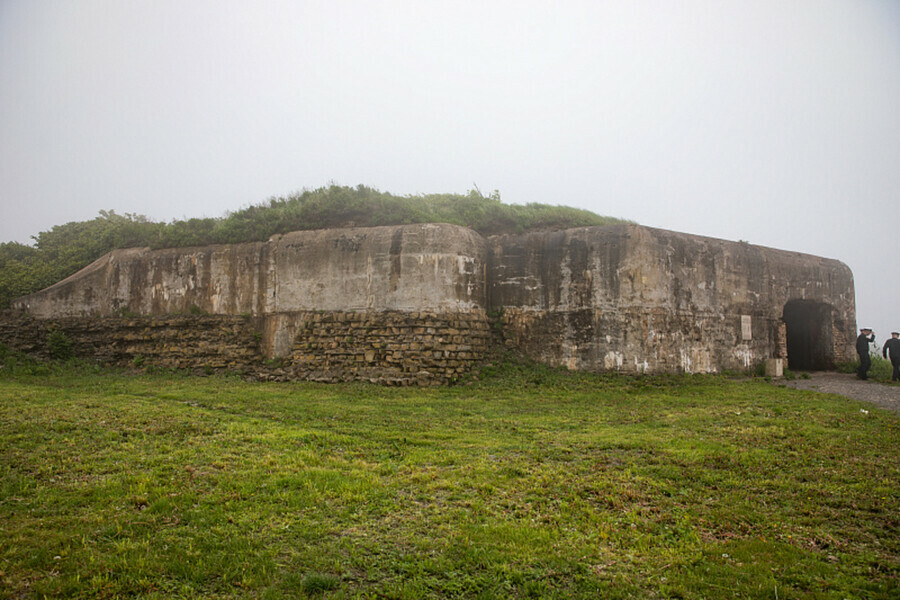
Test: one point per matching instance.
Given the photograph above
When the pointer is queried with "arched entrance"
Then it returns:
(810, 346)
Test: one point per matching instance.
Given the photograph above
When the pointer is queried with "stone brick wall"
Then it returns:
(781, 341)
(395, 348)
(844, 344)
(392, 348)
(207, 342)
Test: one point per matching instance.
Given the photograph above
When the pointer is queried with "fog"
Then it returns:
(771, 122)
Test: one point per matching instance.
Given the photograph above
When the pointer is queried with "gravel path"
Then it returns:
(846, 384)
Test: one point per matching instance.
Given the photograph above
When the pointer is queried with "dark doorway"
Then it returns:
(809, 339)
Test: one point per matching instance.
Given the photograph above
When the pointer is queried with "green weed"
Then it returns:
(59, 346)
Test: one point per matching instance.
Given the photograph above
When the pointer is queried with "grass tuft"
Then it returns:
(315, 583)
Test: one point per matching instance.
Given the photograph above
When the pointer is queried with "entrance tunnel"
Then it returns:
(810, 345)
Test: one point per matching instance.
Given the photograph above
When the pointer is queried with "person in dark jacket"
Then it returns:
(862, 348)
(892, 348)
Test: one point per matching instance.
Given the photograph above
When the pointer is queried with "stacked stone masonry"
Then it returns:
(393, 348)
(196, 342)
(396, 348)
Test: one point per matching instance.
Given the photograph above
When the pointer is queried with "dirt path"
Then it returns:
(845, 384)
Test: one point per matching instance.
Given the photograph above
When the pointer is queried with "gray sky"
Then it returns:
(768, 121)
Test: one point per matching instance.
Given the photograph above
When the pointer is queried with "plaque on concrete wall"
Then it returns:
(746, 328)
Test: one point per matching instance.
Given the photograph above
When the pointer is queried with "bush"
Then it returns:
(847, 367)
(881, 368)
(59, 346)
(13, 362)
(195, 310)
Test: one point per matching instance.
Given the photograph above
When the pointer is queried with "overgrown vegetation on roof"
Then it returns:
(65, 249)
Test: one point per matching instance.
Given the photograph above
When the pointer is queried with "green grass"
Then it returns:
(529, 483)
(881, 370)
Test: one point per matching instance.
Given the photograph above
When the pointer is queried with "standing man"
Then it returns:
(862, 348)
(892, 347)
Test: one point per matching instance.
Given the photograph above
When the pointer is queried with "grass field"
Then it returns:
(529, 483)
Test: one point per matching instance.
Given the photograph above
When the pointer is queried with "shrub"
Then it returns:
(881, 369)
(13, 362)
(59, 346)
(847, 367)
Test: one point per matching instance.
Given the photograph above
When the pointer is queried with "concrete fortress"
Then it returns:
(424, 303)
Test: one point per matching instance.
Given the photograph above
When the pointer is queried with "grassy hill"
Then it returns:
(65, 249)
(530, 483)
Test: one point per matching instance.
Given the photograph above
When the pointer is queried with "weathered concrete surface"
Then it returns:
(620, 297)
(225, 280)
(639, 299)
(415, 267)
(434, 267)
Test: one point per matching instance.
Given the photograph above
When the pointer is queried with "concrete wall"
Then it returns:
(432, 267)
(622, 297)
(417, 267)
(224, 280)
(639, 299)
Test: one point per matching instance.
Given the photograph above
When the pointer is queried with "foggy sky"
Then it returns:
(773, 122)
